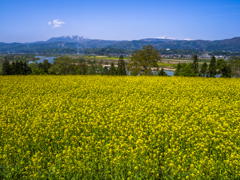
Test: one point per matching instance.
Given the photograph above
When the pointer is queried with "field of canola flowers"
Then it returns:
(101, 127)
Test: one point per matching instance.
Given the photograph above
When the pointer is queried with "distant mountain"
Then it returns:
(204, 45)
(75, 42)
(163, 44)
(70, 38)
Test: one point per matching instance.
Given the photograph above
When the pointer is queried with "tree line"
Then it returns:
(104, 51)
(64, 66)
(16, 68)
(215, 67)
(143, 62)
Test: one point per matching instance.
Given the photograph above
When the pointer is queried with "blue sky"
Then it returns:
(39, 20)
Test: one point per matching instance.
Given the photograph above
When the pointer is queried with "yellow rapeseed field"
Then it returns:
(101, 127)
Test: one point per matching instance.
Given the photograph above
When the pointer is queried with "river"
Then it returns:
(50, 59)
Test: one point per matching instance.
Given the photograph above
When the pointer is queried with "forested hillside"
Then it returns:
(56, 45)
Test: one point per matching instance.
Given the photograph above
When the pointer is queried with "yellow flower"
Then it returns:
(86, 124)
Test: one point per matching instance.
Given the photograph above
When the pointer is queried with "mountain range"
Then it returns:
(76, 42)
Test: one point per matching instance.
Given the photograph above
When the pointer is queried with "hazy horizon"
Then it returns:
(31, 21)
(118, 39)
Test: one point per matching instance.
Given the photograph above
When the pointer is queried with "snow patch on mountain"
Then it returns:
(165, 37)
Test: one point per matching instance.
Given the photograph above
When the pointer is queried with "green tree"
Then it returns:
(112, 70)
(89, 61)
(84, 68)
(220, 64)
(21, 70)
(45, 66)
(17, 68)
(162, 73)
(176, 72)
(195, 64)
(143, 60)
(212, 67)
(92, 70)
(34, 68)
(187, 70)
(13, 67)
(121, 70)
(6, 68)
(191, 65)
(62, 66)
(80, 60)
(40, 65)
(235, 66)
(105, 70)
(17, 58)
(77, 70)
(81, 69)
(26, 69)
(203, 71)
(99, 69)
(226, 71)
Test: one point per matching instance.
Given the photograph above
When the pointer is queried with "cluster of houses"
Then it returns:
(119, 54)
(187, 56)
(177, 56)
(206, 56)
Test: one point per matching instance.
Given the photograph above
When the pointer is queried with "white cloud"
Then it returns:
(187, 39)
(56, 23)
